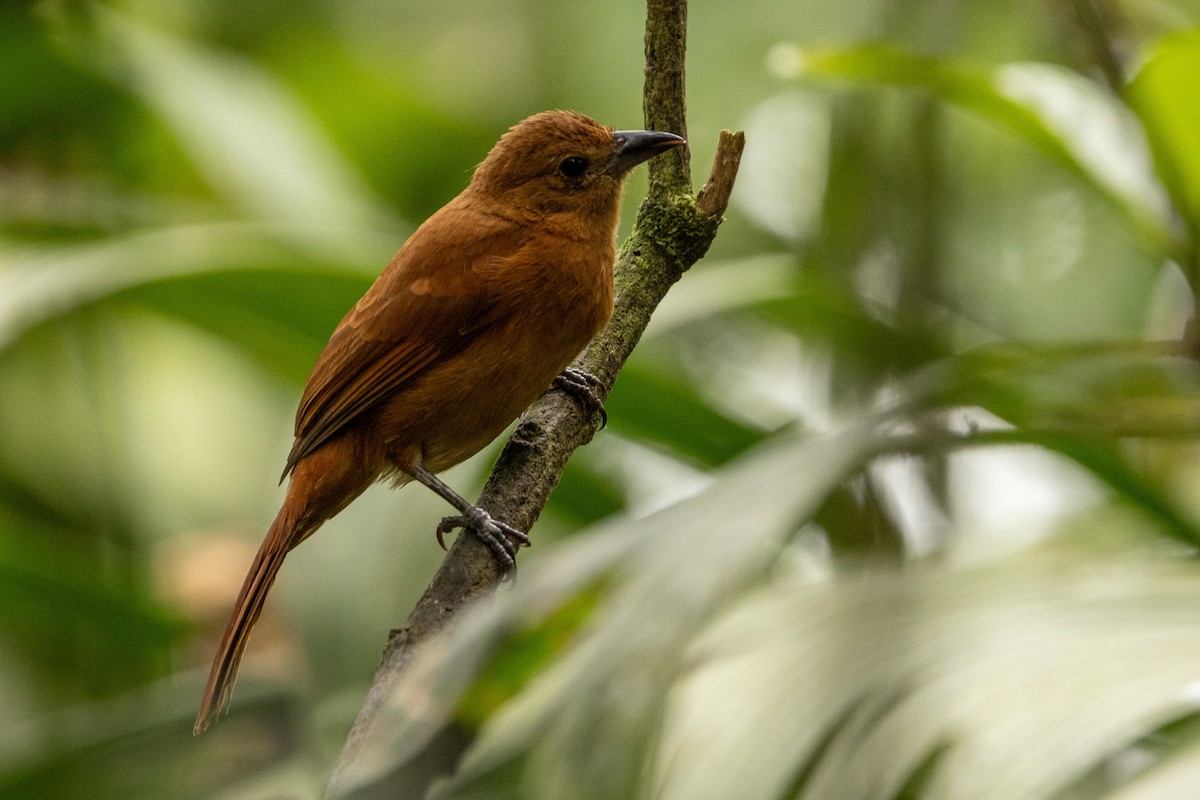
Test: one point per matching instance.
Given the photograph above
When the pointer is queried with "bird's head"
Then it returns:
(561, 161)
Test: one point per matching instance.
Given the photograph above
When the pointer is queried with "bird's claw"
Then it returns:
(582, 386)
(502, 538)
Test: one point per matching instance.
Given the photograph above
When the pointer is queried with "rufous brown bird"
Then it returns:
(481, 310)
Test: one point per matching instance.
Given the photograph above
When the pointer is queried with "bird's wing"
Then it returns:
(429, 303)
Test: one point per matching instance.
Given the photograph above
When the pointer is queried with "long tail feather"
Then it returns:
(279, 540)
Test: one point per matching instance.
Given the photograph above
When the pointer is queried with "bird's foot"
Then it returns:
(582, 386)
(502, 538)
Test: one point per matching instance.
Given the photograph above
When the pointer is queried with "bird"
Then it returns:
(482, 310)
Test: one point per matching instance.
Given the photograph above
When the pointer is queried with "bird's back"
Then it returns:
(468, 324)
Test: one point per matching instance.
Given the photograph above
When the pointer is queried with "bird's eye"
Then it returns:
(573, 166)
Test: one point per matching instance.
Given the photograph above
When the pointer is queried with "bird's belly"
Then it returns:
(451, 412)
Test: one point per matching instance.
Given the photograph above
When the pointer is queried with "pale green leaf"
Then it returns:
(1071, 121)
(42, 282)
(723, 538)
(246, 132)
(1008, 680)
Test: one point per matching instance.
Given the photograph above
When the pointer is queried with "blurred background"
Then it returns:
(914, 443)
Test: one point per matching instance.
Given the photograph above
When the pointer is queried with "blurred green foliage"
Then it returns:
(922, 423)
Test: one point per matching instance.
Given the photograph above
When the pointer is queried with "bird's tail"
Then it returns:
(281, 538)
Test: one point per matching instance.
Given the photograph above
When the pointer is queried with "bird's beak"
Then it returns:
(631, 148)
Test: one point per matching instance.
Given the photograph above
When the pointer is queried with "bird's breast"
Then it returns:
(550, 307)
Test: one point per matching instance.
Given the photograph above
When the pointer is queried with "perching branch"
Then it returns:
(672, 231)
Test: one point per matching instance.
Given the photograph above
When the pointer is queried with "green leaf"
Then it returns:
(78, 621)
(720, 287)
(39, 284)
(1166, 95)
(245, 130)
(1106, 461)
(1068, 119)
(279, 316)
(1083, 401)
(653, 406)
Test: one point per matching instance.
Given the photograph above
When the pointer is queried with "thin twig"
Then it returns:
(714, 197)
